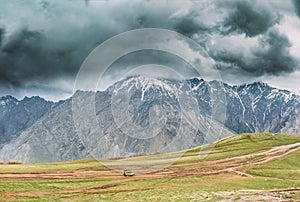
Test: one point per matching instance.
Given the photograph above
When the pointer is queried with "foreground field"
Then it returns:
(247, 167)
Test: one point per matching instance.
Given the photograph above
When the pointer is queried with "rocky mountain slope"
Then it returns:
(18, 115)
(146, 115)
(254, 107)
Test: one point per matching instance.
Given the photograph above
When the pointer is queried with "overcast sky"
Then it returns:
(43, 43)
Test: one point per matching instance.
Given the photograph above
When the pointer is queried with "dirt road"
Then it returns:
(231, 165)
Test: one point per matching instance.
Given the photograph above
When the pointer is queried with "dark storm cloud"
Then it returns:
(22, 40)
(27, 54)
(44, 40)
(145, 57)
(1, 35)
(297, 7)
(249, 18)
(227, 61)
(188, 25)
(86, 2)
(240, 17)
(272, 57)
(51, 39)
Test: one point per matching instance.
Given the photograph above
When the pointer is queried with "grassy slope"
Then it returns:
(284, 168)
(281, 173)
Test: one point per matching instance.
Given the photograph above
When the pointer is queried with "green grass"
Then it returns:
(282, 173)
(285, 168)
(233, 146)
(68, 166)
(206, 188)
(248, 143)
(239, 145)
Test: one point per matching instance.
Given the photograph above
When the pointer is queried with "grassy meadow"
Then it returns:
(246, 167)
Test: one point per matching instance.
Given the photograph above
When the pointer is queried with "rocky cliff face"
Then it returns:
(254, 107)
(52, 138)
(16, 116)
(263, 108)
(146, 115)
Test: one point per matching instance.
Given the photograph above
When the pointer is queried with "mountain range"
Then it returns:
(16, 116)
(141, 115)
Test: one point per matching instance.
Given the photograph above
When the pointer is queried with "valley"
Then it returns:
(251, 167)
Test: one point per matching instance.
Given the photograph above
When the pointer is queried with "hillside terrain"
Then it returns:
(246, 167)
(143, 115)
(18, 115)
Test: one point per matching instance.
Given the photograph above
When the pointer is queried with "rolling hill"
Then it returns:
(246, 167)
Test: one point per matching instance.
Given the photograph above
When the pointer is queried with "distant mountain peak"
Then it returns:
(40, 131)
(17, 115)
(8, 98)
